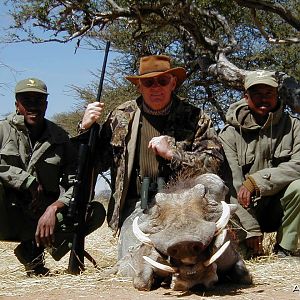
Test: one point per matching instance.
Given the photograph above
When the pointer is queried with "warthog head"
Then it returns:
(183, 234)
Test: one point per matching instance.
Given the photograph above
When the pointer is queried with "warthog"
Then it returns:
(182, 237)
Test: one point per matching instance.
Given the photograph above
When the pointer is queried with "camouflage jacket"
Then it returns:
(50, 162)
(191, 136)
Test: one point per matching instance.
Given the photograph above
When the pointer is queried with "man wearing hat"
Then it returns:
(36, 159)
(148, 140)
(262, 146)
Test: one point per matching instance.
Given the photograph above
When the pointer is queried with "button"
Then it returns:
(266, 176)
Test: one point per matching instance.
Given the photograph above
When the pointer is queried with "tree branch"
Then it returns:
(267, 36)
(276, 8)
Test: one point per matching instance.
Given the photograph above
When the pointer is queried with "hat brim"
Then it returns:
(179, 73)
(32, 90)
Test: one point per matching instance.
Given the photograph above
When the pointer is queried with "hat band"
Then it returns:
(154, 71)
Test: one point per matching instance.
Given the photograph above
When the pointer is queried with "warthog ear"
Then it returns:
(209, 178)
(215, 185)
(199, 190)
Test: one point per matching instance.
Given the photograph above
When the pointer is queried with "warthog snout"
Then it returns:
(186, 249)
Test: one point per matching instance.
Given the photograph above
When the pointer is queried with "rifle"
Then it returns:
(84, 190)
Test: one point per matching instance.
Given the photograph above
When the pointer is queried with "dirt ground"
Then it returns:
(273, 278)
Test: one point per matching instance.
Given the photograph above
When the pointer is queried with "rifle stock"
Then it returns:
(84, 189)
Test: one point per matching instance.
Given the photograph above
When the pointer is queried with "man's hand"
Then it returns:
(44, 234)
(244, 196)
(161, 147)
(92, 114)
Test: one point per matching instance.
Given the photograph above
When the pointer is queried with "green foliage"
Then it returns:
(68, 121)
(112, 97)
(216, 41)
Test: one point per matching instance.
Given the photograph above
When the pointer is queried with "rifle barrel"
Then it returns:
(103, 71)
(83, 188)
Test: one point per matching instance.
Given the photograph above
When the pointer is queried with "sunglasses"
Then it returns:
(33, 101)
(161, 80)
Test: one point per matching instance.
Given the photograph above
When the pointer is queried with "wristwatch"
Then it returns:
(80, 128)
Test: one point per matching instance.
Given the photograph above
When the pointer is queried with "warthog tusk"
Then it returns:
(222, 222)
(140, 235)
(159, 265)
(216, 255)
(220, 238)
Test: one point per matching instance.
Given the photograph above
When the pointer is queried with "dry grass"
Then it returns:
(100, 244)
(274, 278)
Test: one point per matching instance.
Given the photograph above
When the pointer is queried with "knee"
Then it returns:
(96, 216)
(294, 188)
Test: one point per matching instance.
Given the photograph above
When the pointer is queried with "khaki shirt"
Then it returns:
(51, 161)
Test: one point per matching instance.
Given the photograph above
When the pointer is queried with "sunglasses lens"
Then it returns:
(147, 82)
(161, 80)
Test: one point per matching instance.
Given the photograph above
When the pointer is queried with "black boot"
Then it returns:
(32, 257)
(284, 253)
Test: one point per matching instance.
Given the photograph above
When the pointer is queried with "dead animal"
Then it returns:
(182, 238)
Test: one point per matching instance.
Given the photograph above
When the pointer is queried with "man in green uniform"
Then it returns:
(262, 147)
(36, 160)
(148, 140)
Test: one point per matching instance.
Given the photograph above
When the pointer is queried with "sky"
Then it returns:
(54, 63)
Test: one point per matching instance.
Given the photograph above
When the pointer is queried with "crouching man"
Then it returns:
(262, 147)
(37, 159)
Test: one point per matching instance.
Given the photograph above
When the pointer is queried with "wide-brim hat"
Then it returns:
(31, 85)
(260, 77)
(157, 65)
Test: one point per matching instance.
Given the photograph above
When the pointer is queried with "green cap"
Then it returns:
(31, 85)
(260, 77)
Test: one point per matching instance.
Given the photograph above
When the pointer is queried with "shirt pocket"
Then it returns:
(49, 172)
(283, 152)
(281, 157)
(9, 155)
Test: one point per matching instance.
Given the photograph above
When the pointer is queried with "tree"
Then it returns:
(217, 41)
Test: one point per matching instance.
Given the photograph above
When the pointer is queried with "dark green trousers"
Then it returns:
(18, 224)
(279, 213)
